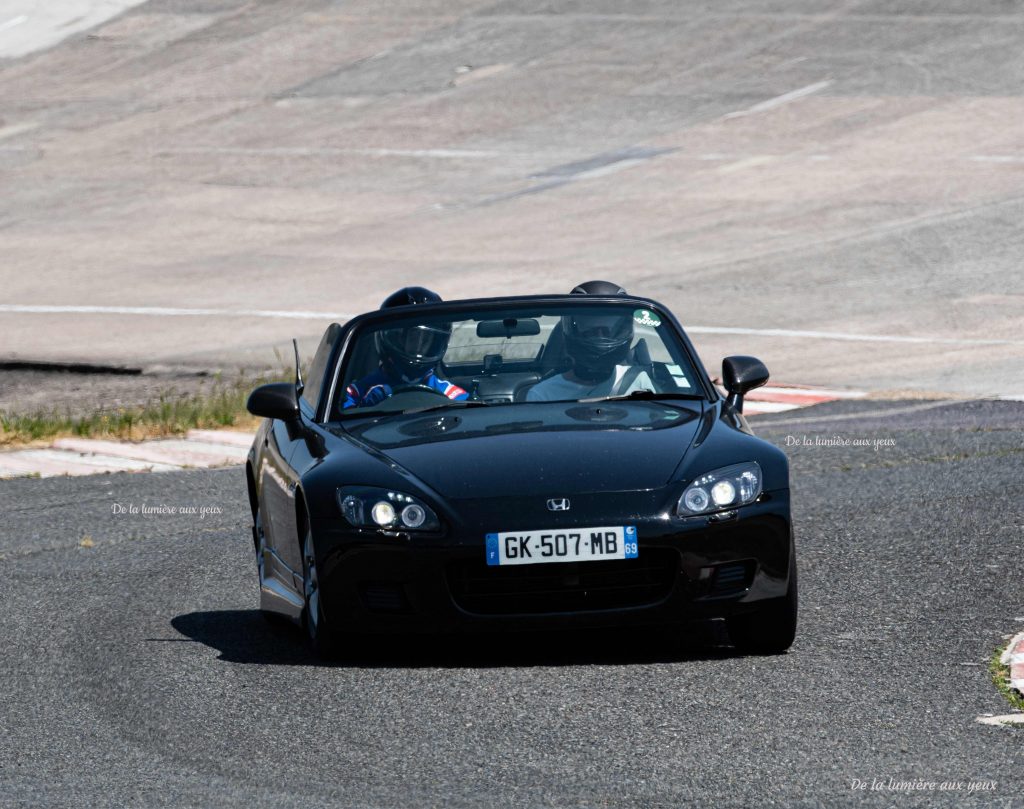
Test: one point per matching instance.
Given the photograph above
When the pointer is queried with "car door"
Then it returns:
(286, 454)
(275, 480)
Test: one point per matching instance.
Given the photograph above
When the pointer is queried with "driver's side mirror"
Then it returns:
(740, 375)
(278, 400)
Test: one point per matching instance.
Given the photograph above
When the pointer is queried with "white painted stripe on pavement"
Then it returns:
(1005, 719)
(880, 413)
(230, 437)
(203, 448)
(13, 22)
(849, 337)
(165, 311)
(146, 451)
(50, 462)
(768, 407)
(997, 158)
(89, 459)
(831, 394)
(778, 101)
(302, 151)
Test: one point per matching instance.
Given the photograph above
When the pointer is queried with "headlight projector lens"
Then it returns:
(696, 500)
(723, 493)
(383, 514)
(413, 516)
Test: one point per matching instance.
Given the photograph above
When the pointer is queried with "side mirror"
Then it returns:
(740, 375)
(275, 401)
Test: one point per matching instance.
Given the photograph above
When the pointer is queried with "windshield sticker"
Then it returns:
(645, 317)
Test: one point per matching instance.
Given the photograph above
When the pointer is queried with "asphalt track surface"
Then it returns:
(137, 671)
(848, 167)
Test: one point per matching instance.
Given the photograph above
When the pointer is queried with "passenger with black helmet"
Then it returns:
(408, 355)
(597, 346)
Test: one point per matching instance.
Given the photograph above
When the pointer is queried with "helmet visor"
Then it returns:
(421, 343)
(602, 328)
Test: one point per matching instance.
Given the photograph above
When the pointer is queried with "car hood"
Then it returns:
(554, 449)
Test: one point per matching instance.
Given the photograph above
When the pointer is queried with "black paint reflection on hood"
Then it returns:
(411, 429)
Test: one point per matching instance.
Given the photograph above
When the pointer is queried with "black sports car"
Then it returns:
(523, 462)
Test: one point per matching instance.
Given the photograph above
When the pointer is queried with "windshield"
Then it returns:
(567, 352)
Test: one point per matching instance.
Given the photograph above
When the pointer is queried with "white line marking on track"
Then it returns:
(996, 158)
(1005, 719)
(864, 338)
(305, 151)
(752, 407)
(865, 414)
(831, 394)
(11, 23)
(163, 311)
(611, 168)
(778, 101)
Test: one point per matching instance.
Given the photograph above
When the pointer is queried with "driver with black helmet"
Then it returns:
(409, 355)
(597, 345)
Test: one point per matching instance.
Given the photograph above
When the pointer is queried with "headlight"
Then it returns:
(369, 507)
(725, 488)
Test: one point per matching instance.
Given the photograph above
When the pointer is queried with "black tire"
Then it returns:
(772, 628)
(318, 634)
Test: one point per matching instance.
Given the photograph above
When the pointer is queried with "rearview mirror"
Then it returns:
(275, 401)
(508, 328)
(742, 374)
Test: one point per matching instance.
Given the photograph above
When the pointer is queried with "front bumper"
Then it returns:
(685, 570)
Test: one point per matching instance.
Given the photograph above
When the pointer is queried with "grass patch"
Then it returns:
(1001, 678)
(169, 414)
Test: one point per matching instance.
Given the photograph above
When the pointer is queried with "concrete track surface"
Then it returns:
(191, 171)
(137, 671)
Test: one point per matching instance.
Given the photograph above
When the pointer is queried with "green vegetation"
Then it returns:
(1001, 678)
(223, 405)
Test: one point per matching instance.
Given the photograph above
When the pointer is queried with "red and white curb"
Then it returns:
(87, 456)
(1014, 658)
(780, 398)
(208, 448)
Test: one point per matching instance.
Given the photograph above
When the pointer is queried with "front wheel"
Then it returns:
(772, 628)
(321, 641)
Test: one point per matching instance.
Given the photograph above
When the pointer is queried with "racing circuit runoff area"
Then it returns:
(833, 187)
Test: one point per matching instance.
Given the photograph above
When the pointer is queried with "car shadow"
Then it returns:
(246, 636)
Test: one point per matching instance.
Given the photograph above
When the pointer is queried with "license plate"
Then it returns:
(562, 545)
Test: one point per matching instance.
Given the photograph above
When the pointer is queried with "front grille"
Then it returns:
(564, 586)
(383, 597)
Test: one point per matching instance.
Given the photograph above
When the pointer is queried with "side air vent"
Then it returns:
(383, 597)
(731, 579)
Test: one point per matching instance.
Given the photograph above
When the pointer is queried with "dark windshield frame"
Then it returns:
(459, 310)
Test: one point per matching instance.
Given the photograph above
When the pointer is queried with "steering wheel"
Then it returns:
(418, 387)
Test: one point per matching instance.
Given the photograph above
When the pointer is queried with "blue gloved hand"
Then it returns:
(377, 394)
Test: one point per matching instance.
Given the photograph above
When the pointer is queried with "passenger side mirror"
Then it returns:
(275, 401)
(740, 375)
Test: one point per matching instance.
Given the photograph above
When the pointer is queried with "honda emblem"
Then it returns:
(558, 504)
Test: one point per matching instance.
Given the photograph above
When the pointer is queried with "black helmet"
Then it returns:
(597, 342)
(412, 351)
(407, 296)
(598, 288)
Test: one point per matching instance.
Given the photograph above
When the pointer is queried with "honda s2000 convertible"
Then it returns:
(536, 462)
